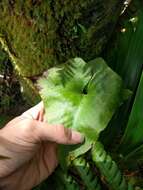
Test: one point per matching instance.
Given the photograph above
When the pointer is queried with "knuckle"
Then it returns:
(28, 123)
(65, 133)
(68, 133)
(28, 126)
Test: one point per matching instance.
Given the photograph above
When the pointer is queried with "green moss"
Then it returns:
(28, 34)
(3, 57)
(29, 91)
(41, 34)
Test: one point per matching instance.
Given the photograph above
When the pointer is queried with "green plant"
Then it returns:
(127, 120)
(84, 96)
(109, 169)
(88, 95)
(88, 177)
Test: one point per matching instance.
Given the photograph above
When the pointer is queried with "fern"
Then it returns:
(67, 180)
(109, 168)
(82, 96)
(88, 177)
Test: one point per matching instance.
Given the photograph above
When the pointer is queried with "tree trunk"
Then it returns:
(40, 34)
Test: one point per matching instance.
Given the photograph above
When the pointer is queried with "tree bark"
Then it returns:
(42, 33)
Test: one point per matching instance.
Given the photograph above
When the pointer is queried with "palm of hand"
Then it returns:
(28, 161)
(28, 149)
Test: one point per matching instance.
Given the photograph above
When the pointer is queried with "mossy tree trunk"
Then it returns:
(40, 34)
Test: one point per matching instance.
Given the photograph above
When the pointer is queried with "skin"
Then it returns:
(28, 149)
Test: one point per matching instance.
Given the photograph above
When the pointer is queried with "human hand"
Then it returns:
(28, 149)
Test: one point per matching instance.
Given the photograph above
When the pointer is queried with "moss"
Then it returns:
(29, 91)
(29, 34)
(41, 34)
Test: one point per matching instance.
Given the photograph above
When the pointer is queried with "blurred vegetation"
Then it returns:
(10, 91)
(40, 34)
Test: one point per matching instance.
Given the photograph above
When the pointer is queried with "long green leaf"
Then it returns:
(127, 62)
(133, 136)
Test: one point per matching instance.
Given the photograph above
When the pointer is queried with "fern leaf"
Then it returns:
(109, 169)
(88, 177)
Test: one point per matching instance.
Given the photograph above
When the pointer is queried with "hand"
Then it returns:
(28, 149)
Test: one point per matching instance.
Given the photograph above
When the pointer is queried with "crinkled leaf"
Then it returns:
(82, 96)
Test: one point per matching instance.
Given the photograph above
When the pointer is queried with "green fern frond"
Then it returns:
(109, 169)
(82, 96)
(88, 177)
(67, 180)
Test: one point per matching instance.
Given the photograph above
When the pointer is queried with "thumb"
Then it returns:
(57, 133)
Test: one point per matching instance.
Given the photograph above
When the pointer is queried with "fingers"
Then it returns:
(41, 131)
(57, 133)
(36, 112)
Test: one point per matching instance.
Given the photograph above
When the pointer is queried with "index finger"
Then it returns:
(36, 112)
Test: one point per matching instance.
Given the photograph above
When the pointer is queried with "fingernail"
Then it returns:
(77, 137)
